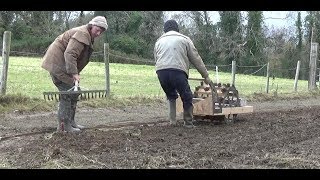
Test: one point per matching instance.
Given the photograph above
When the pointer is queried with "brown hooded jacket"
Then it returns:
(69, 54)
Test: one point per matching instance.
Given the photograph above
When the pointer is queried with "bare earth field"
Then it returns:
(277, 135)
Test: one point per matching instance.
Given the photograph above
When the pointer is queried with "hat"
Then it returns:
(99, 21)
(170, 25)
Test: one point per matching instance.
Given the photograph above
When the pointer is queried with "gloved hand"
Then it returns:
(207, 80)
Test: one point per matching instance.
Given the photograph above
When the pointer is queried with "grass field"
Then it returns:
(26, 77)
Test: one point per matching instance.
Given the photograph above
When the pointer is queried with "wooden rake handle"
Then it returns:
(76, 86)
(197, 79)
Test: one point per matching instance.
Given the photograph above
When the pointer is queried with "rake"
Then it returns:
(75, 90)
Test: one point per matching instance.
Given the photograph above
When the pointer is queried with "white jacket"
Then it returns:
(175, 50)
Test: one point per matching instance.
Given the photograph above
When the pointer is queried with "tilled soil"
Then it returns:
(279, 134)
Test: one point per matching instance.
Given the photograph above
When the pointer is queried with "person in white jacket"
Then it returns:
(173, 53)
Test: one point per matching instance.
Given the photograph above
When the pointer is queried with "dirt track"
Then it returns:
(283, 134)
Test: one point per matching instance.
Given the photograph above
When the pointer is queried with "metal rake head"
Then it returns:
(83, 95)
(93, 95)
(51, 97)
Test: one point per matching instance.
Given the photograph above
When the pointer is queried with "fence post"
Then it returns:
(296, 77)
(106, 62)
(268, 78)
(313, 66)
(217, 75)
(5, 58)
(233, 72)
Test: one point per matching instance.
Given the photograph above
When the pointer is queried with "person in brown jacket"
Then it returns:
(173, 53)
(64, 59)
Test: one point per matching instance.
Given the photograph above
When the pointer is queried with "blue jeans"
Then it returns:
(174, 81)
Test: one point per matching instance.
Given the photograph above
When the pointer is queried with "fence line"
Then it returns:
(102, 53)
(250, 66)
(258, 70)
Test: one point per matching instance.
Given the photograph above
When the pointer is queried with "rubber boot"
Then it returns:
(64, 115)
(188, 118)
(172, 112)
(61, 115)
(60, 125)
(66, 103)
(72, 115)
(67, 126)
(74, 125)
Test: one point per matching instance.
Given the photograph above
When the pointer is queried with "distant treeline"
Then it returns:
(133, 34)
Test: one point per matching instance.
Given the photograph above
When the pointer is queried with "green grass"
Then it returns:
(129, 84)
(26, 77)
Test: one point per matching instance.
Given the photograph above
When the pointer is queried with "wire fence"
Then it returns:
(136, 76)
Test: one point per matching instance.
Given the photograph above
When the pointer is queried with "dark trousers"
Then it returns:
(175, 81)
(67, 103)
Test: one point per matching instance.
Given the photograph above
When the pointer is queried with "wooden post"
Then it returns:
(296, 77)
(5, 58)
(318, 74)
(268, 78)
(106, 62)
(217, 75)
(233, 72)
(313, 66)
(312, 62)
